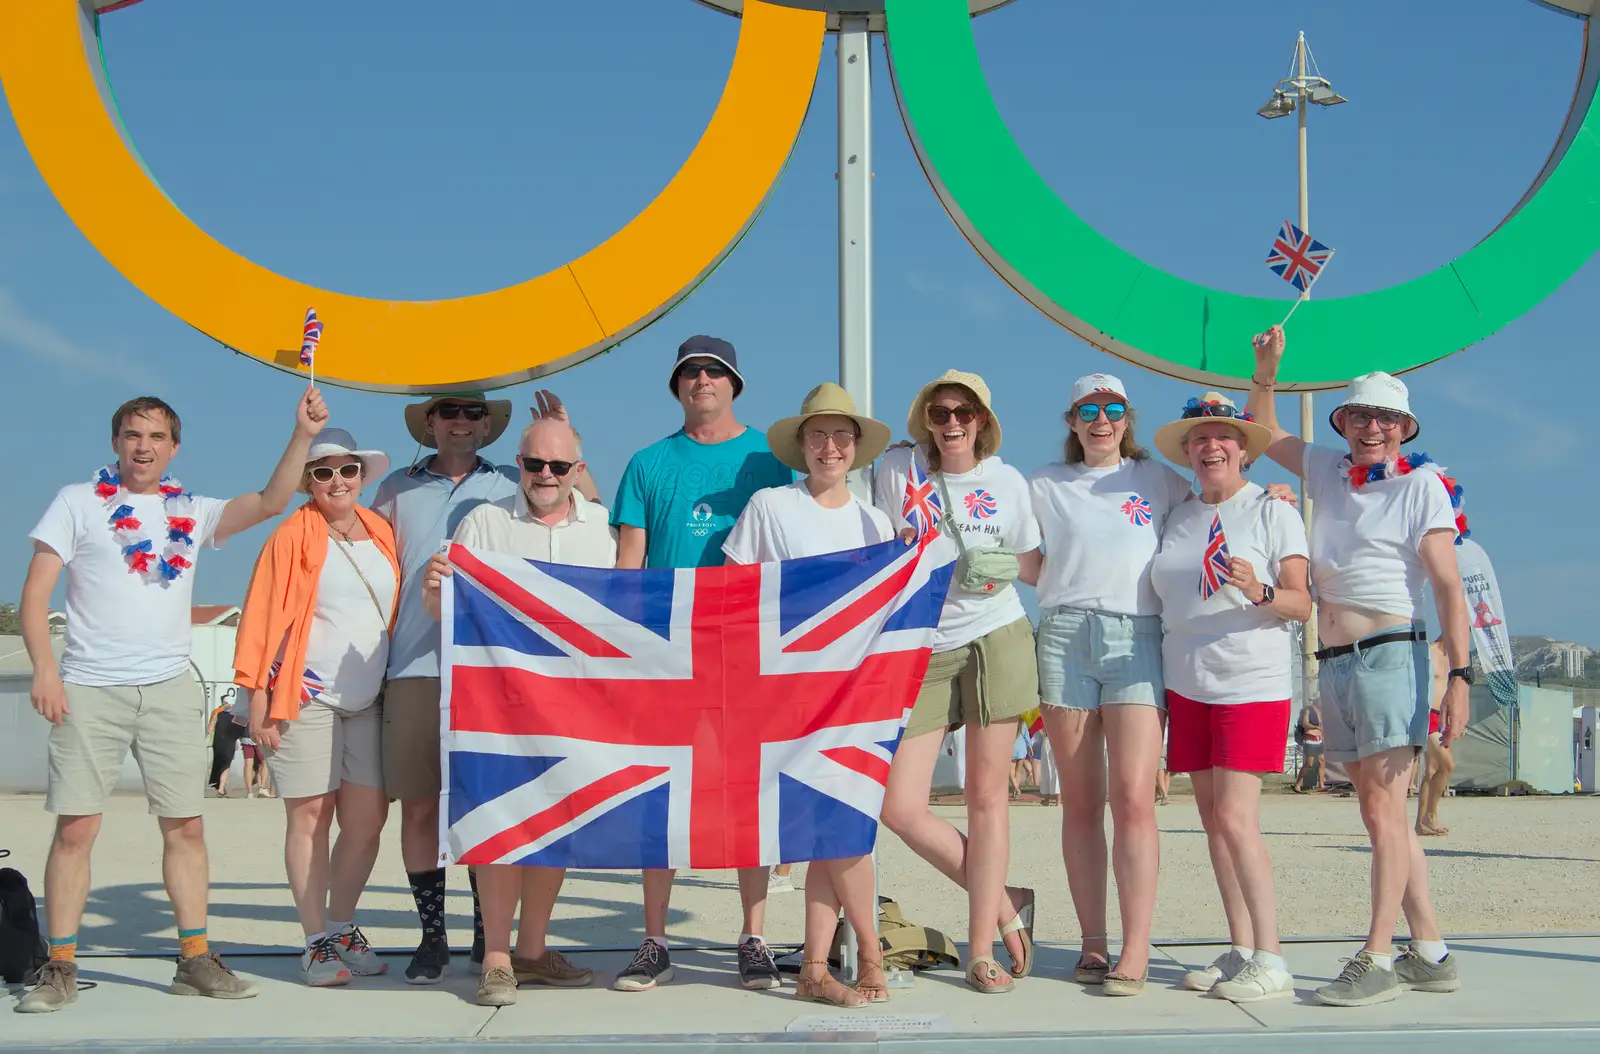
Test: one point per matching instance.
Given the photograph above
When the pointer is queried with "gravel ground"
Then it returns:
(1509, 865)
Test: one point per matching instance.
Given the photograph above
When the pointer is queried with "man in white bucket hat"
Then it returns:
(1386, 526)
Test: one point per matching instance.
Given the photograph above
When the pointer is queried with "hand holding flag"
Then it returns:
(923, 508)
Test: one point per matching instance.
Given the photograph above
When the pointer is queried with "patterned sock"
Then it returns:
(64, 949)
(477, 908)
(427, 889)
(192, 943)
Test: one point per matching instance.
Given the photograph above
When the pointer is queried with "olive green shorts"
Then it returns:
(995, 678)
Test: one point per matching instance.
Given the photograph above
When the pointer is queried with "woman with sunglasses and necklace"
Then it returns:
(312, 646)
(981, 675)
(1100, 512)
(815, 515)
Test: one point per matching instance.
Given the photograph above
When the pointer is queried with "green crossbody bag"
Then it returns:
(980, 570)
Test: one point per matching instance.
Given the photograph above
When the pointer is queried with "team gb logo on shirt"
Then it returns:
(1137, 510)
(981, 505)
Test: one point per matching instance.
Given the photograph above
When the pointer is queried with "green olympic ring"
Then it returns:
(1119, 303)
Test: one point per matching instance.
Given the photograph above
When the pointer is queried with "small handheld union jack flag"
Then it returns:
(310, 337)
(1298, 258)
(922, 509)
(1214, 572)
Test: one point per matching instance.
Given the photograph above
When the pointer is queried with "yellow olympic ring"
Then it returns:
(58, 96)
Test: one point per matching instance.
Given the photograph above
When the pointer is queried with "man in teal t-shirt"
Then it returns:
(677, 502)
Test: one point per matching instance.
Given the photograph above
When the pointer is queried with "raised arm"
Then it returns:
(1287, 450)
(247, 510)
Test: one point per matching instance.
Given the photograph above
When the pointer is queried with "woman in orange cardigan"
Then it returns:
(312, 646)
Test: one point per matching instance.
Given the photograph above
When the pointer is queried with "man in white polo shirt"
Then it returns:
(128, 540)
(550, 522)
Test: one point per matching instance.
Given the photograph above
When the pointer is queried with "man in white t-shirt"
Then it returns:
(1385, 528)
(550, 522)
(128, 540)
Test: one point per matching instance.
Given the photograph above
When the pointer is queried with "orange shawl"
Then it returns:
(282, 598)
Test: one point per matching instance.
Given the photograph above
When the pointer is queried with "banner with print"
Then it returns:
(1491, 637)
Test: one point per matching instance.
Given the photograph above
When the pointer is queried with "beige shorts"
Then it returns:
(164, 724)
(325, 747)
(411, 738)
(995, 678)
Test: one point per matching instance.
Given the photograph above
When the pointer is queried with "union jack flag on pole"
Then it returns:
(1298, 258)
(1214, 573)
(922, 509)
(310, 337)
(709, 717)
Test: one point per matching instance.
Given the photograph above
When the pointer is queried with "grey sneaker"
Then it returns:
(321, 967)
(205, 975)
(1224, 967)
(58, 986)
(1362, 982)
(1420, 975)
(498, 987)
(1254, 982)
(357, 953)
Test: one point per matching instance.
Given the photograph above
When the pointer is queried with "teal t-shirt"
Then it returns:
(688, 495)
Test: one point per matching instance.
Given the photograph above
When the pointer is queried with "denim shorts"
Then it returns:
(1376, 699)
(1091, 658)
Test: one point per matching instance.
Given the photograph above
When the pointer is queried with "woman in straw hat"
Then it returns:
(312, 645)
(1387, 526)
(982, 673)
(1231, 575)
(817, 514)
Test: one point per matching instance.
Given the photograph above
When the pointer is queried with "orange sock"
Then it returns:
(65, 949)
(192, 943)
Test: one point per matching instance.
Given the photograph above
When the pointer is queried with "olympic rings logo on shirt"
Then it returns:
(60, 101)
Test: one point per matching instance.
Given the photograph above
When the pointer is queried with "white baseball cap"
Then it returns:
(1097, 384)
(1378, 391)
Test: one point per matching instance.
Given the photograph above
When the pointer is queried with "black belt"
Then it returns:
(1404, 636)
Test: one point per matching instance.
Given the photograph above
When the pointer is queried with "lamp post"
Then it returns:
(1296, 94)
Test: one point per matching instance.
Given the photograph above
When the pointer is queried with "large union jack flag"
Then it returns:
(923, 507)
(1214, 573)
(1297, 257)
(703, 717)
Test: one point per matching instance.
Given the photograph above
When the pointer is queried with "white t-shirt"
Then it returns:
(1102, 527)
(786, 523)
(1225, 649)
(1366, 543)
(992, 511)
(348, 649)
(121, 628)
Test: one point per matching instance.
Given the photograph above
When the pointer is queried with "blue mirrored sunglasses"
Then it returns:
(1091, 411)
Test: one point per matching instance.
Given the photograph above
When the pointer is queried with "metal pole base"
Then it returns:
(901, 978)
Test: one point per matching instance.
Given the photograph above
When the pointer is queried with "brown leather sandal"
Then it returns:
(871, 981)
(827, 988)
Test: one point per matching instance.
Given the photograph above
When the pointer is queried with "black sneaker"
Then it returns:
(651, 966)
(430, 962)
(756, 968)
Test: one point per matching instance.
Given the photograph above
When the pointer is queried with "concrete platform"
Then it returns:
(1520, 993)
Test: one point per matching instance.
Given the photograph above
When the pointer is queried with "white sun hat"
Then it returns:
(336, 442)
(1378, 391)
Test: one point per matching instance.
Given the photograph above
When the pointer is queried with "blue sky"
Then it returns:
(418, 150)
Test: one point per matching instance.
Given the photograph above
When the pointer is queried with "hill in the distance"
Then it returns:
(1545, 659)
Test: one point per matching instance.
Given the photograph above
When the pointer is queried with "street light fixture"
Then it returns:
(1280, 105)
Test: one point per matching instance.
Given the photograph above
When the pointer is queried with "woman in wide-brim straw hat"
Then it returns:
(1386, 526)
(1227, 650)
(814, 515)
(981, 675)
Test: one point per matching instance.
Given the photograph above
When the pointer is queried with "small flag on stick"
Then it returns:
(1214, 572)
(310, 337)
(1298, 259)
(922, 508)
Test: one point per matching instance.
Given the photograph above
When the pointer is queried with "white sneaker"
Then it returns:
(1224, 968)
(777, 883)
(1254, 982)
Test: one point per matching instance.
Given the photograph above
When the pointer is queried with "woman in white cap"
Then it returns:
(817, 514)
(981, 676)
(1231, 575)
(1386, 526)
(312, 646)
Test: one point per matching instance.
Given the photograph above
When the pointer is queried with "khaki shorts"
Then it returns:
(411, 738)
(995, 678)
(165, 726)
(325, 747)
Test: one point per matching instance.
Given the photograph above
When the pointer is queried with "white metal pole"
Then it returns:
(855, 218)
(1307, 425)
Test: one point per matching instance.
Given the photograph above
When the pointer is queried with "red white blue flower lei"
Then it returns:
(137, 548)
(1360, 476)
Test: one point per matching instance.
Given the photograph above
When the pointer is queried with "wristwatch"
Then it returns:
(1268, 595)
(1464, 672)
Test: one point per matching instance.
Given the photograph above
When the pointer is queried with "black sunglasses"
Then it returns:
(537, 465)
(691, 370)
(1091, 411)
(1232, 413)
(451, 411)
(324, 473)
(940, 415)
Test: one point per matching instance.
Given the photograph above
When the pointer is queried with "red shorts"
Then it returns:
(251, 751)
(1433, 721)
(1245, 737)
